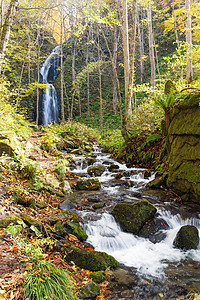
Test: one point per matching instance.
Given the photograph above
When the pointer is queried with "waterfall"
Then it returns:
(48, 72)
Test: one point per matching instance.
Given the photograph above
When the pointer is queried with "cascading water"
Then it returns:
(48, 72)
(153, 261)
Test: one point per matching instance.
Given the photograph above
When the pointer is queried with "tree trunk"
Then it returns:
(88, 75)
(5, 29)
(151, 48)
(141, 48)
(116, 40)
(61, 66)
(100, 90)
(73, 77)
(189, 71)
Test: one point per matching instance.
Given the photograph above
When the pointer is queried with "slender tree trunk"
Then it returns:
(141, 49)
(73, 77)
(151, 48)
(5, 29)
(189, 71)
(176, 33)
(88, 75)
(100, 90)
(61, 66)
(116, 40)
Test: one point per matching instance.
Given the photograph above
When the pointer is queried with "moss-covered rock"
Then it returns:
(98, 277)
(9, 144)
(132, 216)
(89, 291)
(98, 205)
(90, 184)
(113, 168)
(91, 160)
(96, 170)
(77, 230)
(91, 260)
(40, 204)
(60, 229)
(157, 183)
(183, 147)
(187, 238)
(6, 220)
(66, 215)
(31, 221)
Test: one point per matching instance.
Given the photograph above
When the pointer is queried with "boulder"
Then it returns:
(157, 183)
(98, 277)
(91, 260)
(187, 238)
(91, 160)
(31, 221)
(9, 144)
(98, 205)
(60, 229)
(66, 187)
(89, 291)
(52, 181)
(77, 230)
(63, 216)
(153, 230)
(89, 184)
(133, 216)
(96, 170)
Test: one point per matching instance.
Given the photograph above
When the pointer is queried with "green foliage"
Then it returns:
(166, 101)
(113, 142)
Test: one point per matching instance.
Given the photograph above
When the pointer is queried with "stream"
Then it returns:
(150, 268)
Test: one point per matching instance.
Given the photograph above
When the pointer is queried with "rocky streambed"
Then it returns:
(151, 264)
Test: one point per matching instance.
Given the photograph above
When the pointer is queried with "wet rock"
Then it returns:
(77, 230)
(91, 260)
(98, 205)
(93, 199)
(157, 183)
(96, 170)
(147, 174)
(187, 238)
(119, 176)
(136, 195)
(67, 205)
(133, 216)
(90, 184)
(6, 220)
(98, 277)
(91, 160)
(152, 230)
(123, 277)
(89, 291)
(66, 187)
(126, 174)
(113, 168)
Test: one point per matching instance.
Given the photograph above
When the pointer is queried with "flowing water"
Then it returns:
(48, 72)
(162, 271)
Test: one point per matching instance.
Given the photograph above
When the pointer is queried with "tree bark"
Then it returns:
(61, 65)
(189, 71)
(88, 75)
(5, 29)
(151, 48)
(116, 40)
(141, 48)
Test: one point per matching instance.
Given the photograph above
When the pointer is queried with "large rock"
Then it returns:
(7, 220)
(187, 238)
(91, 260)
(9, 143)
(184, 152)
(90, 184)
(89, 291)
(77, 230)
(132, 216)
(96, 170)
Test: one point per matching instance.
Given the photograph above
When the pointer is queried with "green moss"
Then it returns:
(98, 277)
(96, 170)
(156, 183)
(187, 238)
(60, 229)
(91, 160)
(89, 291)
(77, 230)
(132, 216)
(98, 205)
(90, 184)
(6, 220)
(40, 204)
(91, 260)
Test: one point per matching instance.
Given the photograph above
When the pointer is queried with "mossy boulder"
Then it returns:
(40, 204)
(52, 181)
(96, 170)
(183, 146)
(89, 184)
(66, 215)
(187, 238)
(6, 220)
(31, 221)
(98, 205)
(132, 216)
(157, 183)
(98, 277)
(91, 260)
(89, 291)
(77, 230)
(9, 144)
(91, 160)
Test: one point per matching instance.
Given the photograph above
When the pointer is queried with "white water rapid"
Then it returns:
(50, 107)
(150, 259)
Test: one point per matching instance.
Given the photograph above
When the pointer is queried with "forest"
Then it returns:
(99, 149)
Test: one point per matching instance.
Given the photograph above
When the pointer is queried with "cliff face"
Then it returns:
(184, 152)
